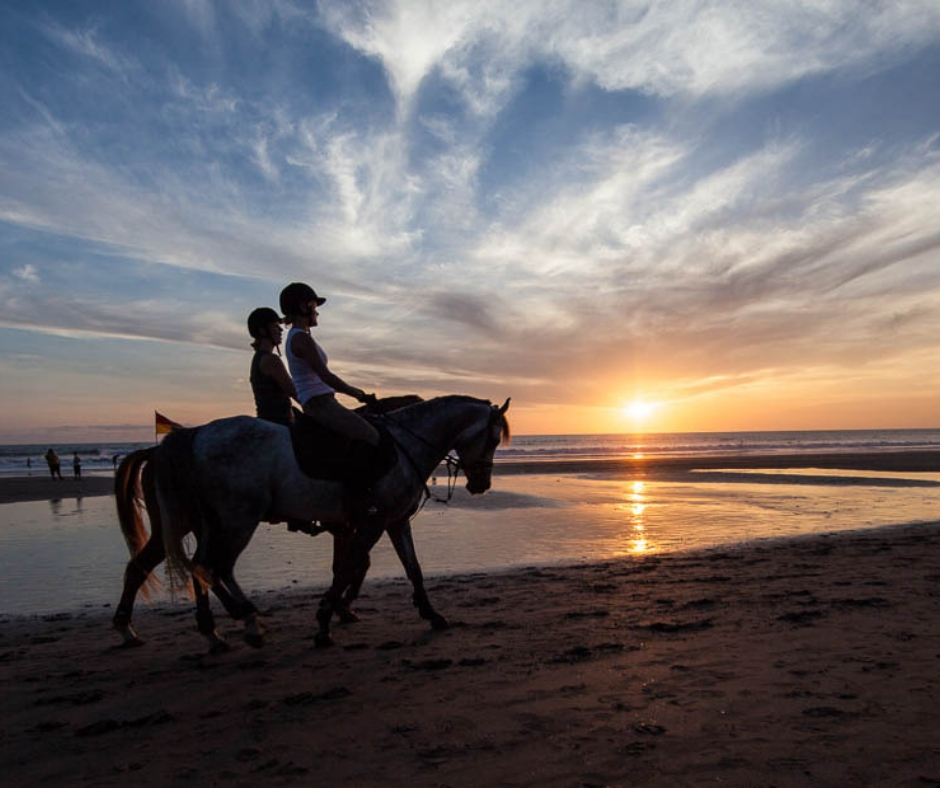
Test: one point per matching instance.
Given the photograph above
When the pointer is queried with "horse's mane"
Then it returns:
(505, 435)
(389, 404)
(445, 400)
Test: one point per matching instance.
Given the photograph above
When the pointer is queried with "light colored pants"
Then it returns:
(325, 410)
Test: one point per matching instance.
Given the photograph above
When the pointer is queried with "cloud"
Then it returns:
(619, 253)
(201, 14)
(202, 224)
(209, 98)
(695, 48)
(473, 313)
(86, 42)
(739, 271)
(451, 264)
(409, 39)
(689, 48)
(27, 273)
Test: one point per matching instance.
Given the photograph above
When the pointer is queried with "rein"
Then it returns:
(453, 468)
(451, 463)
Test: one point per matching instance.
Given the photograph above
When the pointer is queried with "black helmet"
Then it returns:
(296, 296)
(260, 319)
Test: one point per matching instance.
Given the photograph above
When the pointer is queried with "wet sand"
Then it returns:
(804, 662)
(898, 461)
(15, 489)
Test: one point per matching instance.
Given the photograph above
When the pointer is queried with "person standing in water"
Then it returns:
(52, 460)
(76, 465)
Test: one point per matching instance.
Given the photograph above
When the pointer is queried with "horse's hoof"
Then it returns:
(219, 647)
(348, 616)
(438, 622)
(322, 640)
(133, 642)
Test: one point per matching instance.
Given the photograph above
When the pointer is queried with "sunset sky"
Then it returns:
(728, 211)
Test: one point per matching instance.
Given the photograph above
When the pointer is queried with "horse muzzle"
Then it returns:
(477, 486)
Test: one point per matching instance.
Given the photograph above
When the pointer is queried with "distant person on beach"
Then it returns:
(271, 384)
(29, 465)
(52, 459)
(76, 465)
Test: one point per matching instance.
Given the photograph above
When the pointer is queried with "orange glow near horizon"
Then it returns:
(758, 406)
(812, 399)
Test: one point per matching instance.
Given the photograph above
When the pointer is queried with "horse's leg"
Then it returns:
(239, 607)
(400, 534)
(341, 545)
(205, 621)
(220, 552)
(350, 563)
(135, 575)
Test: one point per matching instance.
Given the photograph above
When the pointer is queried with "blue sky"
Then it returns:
(728, 209)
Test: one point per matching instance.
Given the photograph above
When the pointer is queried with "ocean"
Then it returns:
(700, 444)
(24, 459)
(98, 458)
(68, 554)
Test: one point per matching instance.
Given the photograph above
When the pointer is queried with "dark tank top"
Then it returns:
(271, 402)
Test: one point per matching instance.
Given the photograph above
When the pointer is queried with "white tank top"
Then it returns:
(307, 382)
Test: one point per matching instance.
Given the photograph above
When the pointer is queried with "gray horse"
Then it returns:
(220, 480)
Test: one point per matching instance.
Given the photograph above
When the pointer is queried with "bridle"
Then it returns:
(451, 463)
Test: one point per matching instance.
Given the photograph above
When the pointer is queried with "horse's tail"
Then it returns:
(181, 510)
(131, 495)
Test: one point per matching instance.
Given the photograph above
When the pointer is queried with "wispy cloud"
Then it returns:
(688, 48)
(27, 273)
(86, 42)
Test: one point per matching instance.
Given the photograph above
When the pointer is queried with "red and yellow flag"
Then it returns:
(165, 425)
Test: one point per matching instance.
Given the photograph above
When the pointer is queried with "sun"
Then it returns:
(639, 410)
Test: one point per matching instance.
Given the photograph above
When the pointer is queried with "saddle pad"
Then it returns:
(323, 454)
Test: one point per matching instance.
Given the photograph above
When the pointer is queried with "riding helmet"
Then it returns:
(260, 319)
(296, 296)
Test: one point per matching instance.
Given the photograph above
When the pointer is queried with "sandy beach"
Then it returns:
(805, 662)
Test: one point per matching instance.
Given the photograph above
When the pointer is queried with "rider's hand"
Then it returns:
(368, 399)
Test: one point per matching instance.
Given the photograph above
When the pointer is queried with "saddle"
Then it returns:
(324, 454)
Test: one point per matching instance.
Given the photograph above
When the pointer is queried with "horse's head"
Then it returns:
(477, 445)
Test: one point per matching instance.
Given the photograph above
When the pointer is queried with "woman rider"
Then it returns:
(315, 383)
(270, 383)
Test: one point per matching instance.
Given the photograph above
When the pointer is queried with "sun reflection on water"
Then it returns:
(636, 512)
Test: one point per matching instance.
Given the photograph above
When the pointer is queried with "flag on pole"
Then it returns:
(164, 425)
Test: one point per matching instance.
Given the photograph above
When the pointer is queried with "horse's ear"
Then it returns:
(505, 405)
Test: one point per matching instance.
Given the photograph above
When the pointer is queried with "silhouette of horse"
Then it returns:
(134, 491)
(220, 480)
